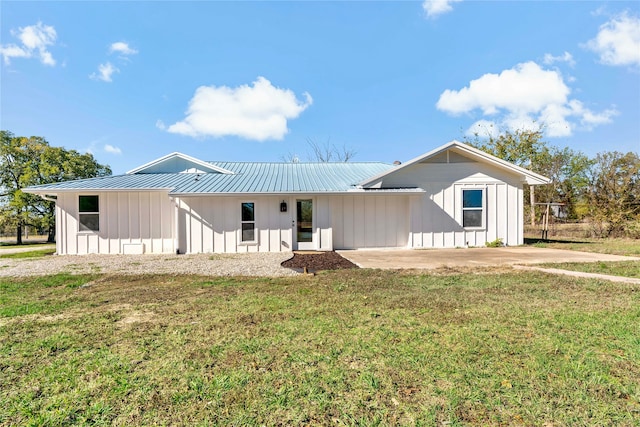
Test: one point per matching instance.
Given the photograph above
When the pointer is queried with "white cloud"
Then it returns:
(565, 57)
(618, 41)
(434, 8)
(524, 97)
(35, 40)
(527, 87)
(257, 112)
(111, 149)
(105, 71)
(122, 48)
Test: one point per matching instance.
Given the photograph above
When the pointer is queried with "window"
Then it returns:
(248, 222)
(472, 208)
(89, 213)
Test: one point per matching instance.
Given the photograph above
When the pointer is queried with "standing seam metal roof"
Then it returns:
(247, 177)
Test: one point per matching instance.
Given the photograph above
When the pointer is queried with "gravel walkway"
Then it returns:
(249, 264)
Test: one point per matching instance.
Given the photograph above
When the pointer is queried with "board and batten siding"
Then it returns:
(370, 221)
(136, 221)
(212, 224)
(209, 224)
(436, 216)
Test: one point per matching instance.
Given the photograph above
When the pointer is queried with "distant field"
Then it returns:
(356, 347)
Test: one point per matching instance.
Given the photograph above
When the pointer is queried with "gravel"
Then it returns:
(265, 264)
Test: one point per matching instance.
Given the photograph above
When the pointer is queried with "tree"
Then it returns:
(569, 174)
(524, 148)
(32, 161)
(614, 193)
(328, 152)
(323, 152)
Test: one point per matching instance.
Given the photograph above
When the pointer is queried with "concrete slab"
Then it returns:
(481, 257)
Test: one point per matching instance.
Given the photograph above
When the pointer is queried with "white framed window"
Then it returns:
(88, 213)
(248, 223)
(473, 213)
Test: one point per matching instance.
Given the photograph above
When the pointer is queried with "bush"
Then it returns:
(495, 244)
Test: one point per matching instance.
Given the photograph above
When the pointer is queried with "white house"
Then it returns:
(452, 196)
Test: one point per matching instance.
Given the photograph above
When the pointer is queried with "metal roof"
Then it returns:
(247, 178)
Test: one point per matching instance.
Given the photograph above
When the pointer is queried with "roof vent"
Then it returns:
(397, 162)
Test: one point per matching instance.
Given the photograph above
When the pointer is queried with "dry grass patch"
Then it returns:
(356, 347)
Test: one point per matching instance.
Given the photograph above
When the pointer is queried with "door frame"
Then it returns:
(303, 246)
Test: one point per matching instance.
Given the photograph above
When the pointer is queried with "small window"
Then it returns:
(248, 222)
(89, 213)
(472, 208)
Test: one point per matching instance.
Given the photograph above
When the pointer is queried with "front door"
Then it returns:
(304, 224)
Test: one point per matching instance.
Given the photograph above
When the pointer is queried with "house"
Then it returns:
(453, 196)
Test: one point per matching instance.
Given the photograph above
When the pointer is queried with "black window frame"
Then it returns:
(470, 210)
(88, 213)
(248, 222)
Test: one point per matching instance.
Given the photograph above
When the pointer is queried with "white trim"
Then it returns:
(313, 244)
(254, 222)
(483, 226)
(531, 178)
(79, 214)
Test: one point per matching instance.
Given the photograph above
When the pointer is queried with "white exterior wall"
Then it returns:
(130, 222)
(213, 223)
(370, 221)
(436, 217)
(153, 222)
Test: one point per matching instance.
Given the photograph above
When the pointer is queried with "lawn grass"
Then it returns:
(627, 247)
(38, 253)
(613, 268)
(352, 347)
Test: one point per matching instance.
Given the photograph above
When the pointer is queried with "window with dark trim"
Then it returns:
(248, 222)
(88, 213)
(473, 208)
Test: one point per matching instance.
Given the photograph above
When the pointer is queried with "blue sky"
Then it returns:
(133, 81)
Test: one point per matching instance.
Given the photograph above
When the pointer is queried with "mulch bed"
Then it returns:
(318, 261)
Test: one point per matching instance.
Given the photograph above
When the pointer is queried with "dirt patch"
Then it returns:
(318, 261)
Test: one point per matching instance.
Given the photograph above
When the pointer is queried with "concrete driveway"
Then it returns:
(482, 257)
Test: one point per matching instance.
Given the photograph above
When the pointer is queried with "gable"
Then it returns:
(449, 156)
(454, 153)
(178, 163)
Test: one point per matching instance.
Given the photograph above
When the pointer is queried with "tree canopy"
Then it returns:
(605, 189)
(27, 161)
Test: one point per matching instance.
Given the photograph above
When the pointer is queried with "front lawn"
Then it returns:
(627, 247)
(613, 268)
(351, 347)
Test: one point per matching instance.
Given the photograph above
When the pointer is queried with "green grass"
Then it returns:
(628, 247)
(29, 254)
(356, 347)
(621, 268)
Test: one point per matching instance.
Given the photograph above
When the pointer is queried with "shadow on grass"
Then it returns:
(12, 243)
(534, 240)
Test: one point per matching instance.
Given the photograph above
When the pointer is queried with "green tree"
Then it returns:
(32, 161)
(569, 174)
(614, 194)
(567, 169)
(524, 148)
